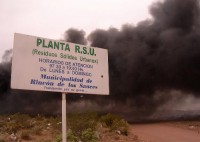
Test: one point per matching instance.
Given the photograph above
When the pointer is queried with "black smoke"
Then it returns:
(5, 72)
(159, 54)
(75, 36)
(13, 101)
(155, 56)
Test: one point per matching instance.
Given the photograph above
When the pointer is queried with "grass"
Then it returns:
(83, 127)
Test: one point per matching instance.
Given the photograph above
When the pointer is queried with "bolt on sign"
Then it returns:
(58, 66)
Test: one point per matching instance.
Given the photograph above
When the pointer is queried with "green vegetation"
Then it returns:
(88, 135)
(85, 127)
(58, 138)
(80, 122)
(115, 123)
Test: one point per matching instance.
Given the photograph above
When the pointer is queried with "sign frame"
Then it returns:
(71, 68)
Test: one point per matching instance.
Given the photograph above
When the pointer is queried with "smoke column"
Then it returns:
(156, 56)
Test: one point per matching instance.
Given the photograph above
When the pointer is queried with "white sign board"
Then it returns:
(58, 66)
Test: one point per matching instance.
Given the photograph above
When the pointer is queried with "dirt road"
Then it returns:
(164, 133)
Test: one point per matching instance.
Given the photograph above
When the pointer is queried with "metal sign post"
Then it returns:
(64, 120)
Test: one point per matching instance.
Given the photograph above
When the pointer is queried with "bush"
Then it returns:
(71, 137)
(80, 122)
(115, 123)
(120, 125)
(108, 119)
(88, 135)
(58, 138)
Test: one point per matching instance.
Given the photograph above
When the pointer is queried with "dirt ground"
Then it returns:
(114, 137)
(166, 132)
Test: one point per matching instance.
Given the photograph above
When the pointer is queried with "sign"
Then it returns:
(58, 66)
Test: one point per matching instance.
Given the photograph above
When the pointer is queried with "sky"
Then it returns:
(51, 18)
